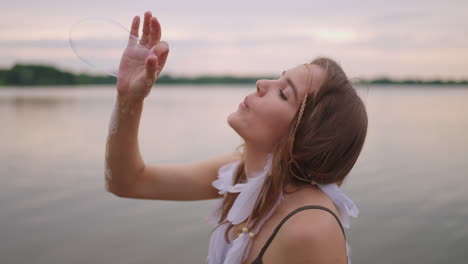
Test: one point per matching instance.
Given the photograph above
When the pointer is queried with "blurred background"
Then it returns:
(410, 181)
(398, 38)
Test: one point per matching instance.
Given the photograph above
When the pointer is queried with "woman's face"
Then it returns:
(269, 111)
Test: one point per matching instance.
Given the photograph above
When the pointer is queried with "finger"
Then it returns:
(155, 32)
(161, 50)
(156, 59)
(146, 29)
(134, 30)
(151, 66)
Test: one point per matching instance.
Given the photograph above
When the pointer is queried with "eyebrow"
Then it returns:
(291, 84)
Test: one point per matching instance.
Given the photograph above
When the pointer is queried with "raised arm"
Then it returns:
(139, 67)
(126, 174)
(179, 182)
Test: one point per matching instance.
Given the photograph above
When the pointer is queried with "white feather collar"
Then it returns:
(219, 250)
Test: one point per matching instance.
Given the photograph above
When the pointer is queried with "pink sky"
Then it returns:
(369, 38)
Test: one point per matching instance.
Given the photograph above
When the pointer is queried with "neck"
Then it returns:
(255, 161)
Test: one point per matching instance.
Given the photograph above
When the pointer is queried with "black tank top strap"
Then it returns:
(258, 260)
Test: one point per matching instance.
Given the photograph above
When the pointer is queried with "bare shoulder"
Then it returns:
(312, 236)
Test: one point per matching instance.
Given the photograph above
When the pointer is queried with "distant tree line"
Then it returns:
(167, 79)
(29, 75)
(388, 81)
(25, 75)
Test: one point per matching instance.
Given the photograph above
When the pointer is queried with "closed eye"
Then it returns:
(283, 96)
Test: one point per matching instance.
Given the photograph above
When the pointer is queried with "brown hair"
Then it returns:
(328, 140)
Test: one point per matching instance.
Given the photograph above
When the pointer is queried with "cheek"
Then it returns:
(265, 124)
(276, 120)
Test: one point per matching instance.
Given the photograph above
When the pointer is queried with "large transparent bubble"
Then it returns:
(100, 43)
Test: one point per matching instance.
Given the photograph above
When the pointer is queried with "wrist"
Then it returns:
(134, 92)
(128, 104)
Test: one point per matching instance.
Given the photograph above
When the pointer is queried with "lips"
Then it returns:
(245, 102)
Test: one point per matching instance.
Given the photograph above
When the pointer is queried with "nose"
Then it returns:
(260, 87)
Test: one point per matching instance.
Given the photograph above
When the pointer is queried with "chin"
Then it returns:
(234, 122)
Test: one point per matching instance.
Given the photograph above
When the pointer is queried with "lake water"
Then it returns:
(410, 182)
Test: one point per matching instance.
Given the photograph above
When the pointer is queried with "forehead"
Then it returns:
(299, 75)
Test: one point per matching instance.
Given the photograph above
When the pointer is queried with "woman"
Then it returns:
(281, 198)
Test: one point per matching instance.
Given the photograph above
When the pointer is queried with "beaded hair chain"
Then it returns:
(301, 112)
(304, 100)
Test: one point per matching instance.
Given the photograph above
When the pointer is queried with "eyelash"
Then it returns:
(283, 96)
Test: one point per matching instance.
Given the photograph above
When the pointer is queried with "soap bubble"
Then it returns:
(100, 43)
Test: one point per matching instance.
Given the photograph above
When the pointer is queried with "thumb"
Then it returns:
(161, 50)
(151, 67)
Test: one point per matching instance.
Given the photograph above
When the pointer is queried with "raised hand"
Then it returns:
(142, 62)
